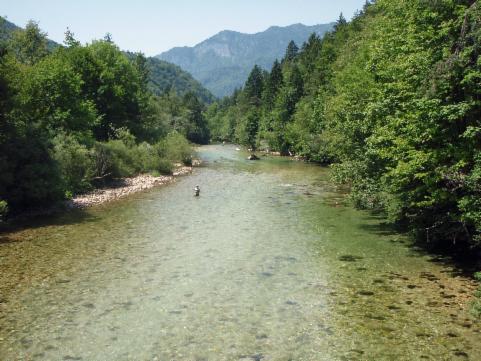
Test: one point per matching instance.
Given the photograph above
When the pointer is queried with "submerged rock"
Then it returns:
(394, 307)
(365, 293)
(267, 274)
(460, 353)
(349, 258)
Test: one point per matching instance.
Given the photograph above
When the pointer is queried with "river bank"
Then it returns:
(113, 190)
(124, 187)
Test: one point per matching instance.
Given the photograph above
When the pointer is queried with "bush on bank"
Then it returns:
(82, 168)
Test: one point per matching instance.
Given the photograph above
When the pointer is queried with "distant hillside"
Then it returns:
(7, 28)
(223, 62)
(163, 75)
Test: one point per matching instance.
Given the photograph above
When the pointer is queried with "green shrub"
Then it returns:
(123, 158)
(113, 159)
(175, 148)
(3, 209)
(29, 176)
(102, 159)
(81, 167)
(75, 163)
(164, 166)
(125, 136)
(124, 162)
(146, 157)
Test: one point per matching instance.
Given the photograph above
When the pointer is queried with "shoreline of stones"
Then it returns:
(115, 190)
(124, 187)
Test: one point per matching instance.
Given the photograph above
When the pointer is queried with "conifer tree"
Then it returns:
(197, 130)
(291, 52)
(254, 86)
(272, 86)
(340, 22)
(252, 127)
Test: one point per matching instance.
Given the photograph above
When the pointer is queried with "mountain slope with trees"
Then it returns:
(392, 101)
(222, 62)
(9, 29)
(163, 76)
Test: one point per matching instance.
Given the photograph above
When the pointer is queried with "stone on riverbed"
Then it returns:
(349, 258)
(365, 293)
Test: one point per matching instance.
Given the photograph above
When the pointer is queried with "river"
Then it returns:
(269, 263)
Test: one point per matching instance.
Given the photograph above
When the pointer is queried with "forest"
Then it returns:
(391, 101)
(336, 214)
(75, 116)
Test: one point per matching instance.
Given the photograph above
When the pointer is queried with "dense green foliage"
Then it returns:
(165, 77)
(222, 62)
(392, 101)
(73, 117)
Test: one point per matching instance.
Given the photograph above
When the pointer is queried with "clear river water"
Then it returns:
(269, 263)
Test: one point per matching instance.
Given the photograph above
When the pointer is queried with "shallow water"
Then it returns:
(267, 264)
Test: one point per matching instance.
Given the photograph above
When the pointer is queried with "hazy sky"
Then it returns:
(154, 26)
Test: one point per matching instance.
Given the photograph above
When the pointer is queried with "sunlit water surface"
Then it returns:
(267, 264)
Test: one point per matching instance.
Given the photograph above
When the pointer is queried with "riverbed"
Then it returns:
(269, 263)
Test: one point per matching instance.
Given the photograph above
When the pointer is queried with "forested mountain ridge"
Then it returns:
(222, 62)
(9, 28)
(392, 101)
(163, 76)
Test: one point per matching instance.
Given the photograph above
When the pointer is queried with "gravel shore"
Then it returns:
(124, 187)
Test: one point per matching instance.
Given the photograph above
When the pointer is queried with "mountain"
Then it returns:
(163, 76)
(7, 28)
(223, 62)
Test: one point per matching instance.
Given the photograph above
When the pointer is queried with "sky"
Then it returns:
(154, 26)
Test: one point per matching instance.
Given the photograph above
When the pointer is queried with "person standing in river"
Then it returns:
(197, 191)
